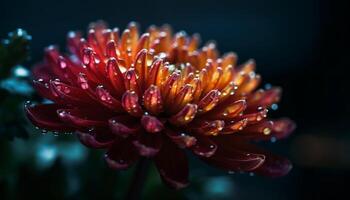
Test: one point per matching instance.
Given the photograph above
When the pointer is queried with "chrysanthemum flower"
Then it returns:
(155, 95)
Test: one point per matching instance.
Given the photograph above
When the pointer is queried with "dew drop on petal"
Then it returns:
(267, 131)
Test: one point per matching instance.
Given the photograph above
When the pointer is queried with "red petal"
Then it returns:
(274, 166)
(44, 90)
(124, 125)
(108, 100)
(231, 158)
(172, 165)
(204, 147)
(265, 130)
(96, 138)
(183, 140)
(70, 94)
(79, 119)
(151, 124)
(44, 116)
(43, 71)
(148, 144)
(121, 155)
(130, 103)
(282, 128)
(152, 100)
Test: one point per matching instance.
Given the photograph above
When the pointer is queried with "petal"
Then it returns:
(43, 71)
(124, 125)
(209, 101)
(185, 116)
(151, 124)
(235, 161)
(152, 100)
(106, 99)
(44, 116)
(96, 138)
(148, 144)
(183, 140)
(70, 94)
(204, 147)
(207, 127)
(42, 87)
(282, 128)
(121, 155)
(273, 166)
(130, 103)
(266, 130)
(79, 119)
(264, 98)
(172, 165)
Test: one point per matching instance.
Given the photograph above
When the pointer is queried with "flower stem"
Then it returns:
(138, 180)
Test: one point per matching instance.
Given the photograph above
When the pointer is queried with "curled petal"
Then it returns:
(268, 130)
(255, 117)
(96, 138)
(108, 100)
(174, 171)
(78, 119)
(265, 98)
(121, 155)
(151, 124)
(148, 144)
(183, 140)
(115, 76)
(204, 147)
(152, 100)
(274, 166)
(209, 101)
(229, 111)
(230, 159)
(233, 127)
(131, 81)
(43, 71)
(69, 94)
(282, 128)
(130, 103)
(44, 116)
(43, 88)
(185, 116)
(124, 126)
(208, 127)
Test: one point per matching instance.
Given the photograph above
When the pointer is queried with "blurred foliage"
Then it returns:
(13, 50)
(14, 84)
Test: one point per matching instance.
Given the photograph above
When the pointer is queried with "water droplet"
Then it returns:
(268, 86)
(251, 174)
(274, 106)
(28, 104)
(267, 131)
(212, 146)
(273, 139)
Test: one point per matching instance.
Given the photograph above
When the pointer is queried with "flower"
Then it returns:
(155, 95)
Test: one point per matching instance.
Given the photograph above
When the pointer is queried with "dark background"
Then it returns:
(301, 45)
